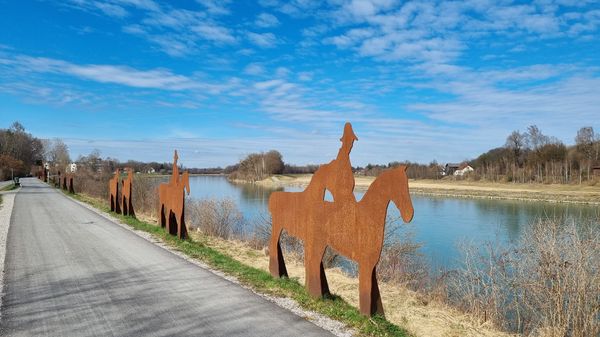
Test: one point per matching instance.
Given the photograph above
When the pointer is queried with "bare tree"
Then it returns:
(585, 145)
(535, 137)
(516, 142)
(59, 153)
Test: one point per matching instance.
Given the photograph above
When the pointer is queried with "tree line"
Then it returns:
(19, 151)
(532, 156)
(525, 157)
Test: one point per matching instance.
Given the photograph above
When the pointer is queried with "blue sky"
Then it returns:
(220, 79)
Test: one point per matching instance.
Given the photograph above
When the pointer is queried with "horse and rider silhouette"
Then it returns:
(125, 200)
(113, 188)
(354, 229)
(121, 202)
(171, 201)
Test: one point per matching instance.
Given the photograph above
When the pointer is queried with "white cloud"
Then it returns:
(110, 9)
(254, 69)
(266, 20)
(217, 7)
(116, 74)
(439, 32)
(265, 40)
(141, 4)
(305, 76)
(214, 33)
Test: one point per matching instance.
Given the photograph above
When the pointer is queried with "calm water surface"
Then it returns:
(439, 224)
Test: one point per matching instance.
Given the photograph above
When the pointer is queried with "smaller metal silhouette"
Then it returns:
(57, 180)
(354, 229)
(113, 188)
(172, 202)
(68, 183)
(45, 175)
(126, 203)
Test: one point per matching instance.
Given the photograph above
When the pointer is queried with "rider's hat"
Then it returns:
(348, 133)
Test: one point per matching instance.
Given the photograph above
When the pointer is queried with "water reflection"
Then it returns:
(439, 223)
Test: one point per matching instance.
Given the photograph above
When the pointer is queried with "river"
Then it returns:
(440, 224)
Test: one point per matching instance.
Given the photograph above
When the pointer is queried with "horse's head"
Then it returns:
(400, 194)
(185, 181)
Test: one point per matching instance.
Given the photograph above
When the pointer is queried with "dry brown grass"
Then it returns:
(545, 285)
(405, 307)
(215, 217)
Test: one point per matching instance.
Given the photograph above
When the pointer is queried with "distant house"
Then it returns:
(449, 169)
(150, 170)
(596, 171)
(463, 169)
(71, 168)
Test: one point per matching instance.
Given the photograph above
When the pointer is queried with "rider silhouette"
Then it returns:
(175, 175)
(339, 179)
(343, 178)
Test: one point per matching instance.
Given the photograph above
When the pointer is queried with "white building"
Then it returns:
(71, 168)
(463, 170)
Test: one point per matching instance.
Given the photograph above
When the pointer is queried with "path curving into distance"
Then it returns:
(72, 272)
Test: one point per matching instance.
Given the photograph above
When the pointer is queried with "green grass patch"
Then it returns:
(9, 187)
(259, 280)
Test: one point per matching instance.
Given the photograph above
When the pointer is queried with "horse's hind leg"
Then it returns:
(369, 297)
(161, 215)
(181, 229)
(276, 261)
(316, 281)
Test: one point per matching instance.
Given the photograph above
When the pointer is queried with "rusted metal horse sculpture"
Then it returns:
(69, 183)
(113, 187)
(126, 203)
(354, 229)
(172, 202)
(57, 180)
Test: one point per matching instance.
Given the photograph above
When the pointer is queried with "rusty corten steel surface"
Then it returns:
(113, 188)
(69, 183)
(354, 229)
(57, 180)
(171, 202)
(126, 203)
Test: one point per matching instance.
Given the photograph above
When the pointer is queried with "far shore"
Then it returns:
(557, 193)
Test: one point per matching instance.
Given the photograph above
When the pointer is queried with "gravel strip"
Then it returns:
(8, 199)
(335, 327)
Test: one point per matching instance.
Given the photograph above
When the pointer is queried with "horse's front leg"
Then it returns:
(316, 281)
(369, 297)
(276, 261)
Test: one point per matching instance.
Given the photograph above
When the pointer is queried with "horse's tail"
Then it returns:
(273, 201)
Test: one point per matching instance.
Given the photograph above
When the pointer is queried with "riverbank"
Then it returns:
(420, 315)
(576, 194)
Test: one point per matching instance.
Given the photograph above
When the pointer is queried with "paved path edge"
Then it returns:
(335, 327)
(8, 201)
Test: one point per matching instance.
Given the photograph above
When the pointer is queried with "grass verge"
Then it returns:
(259, 280)
(9, 187)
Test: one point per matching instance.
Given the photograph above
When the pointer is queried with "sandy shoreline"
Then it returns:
(574, 194)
